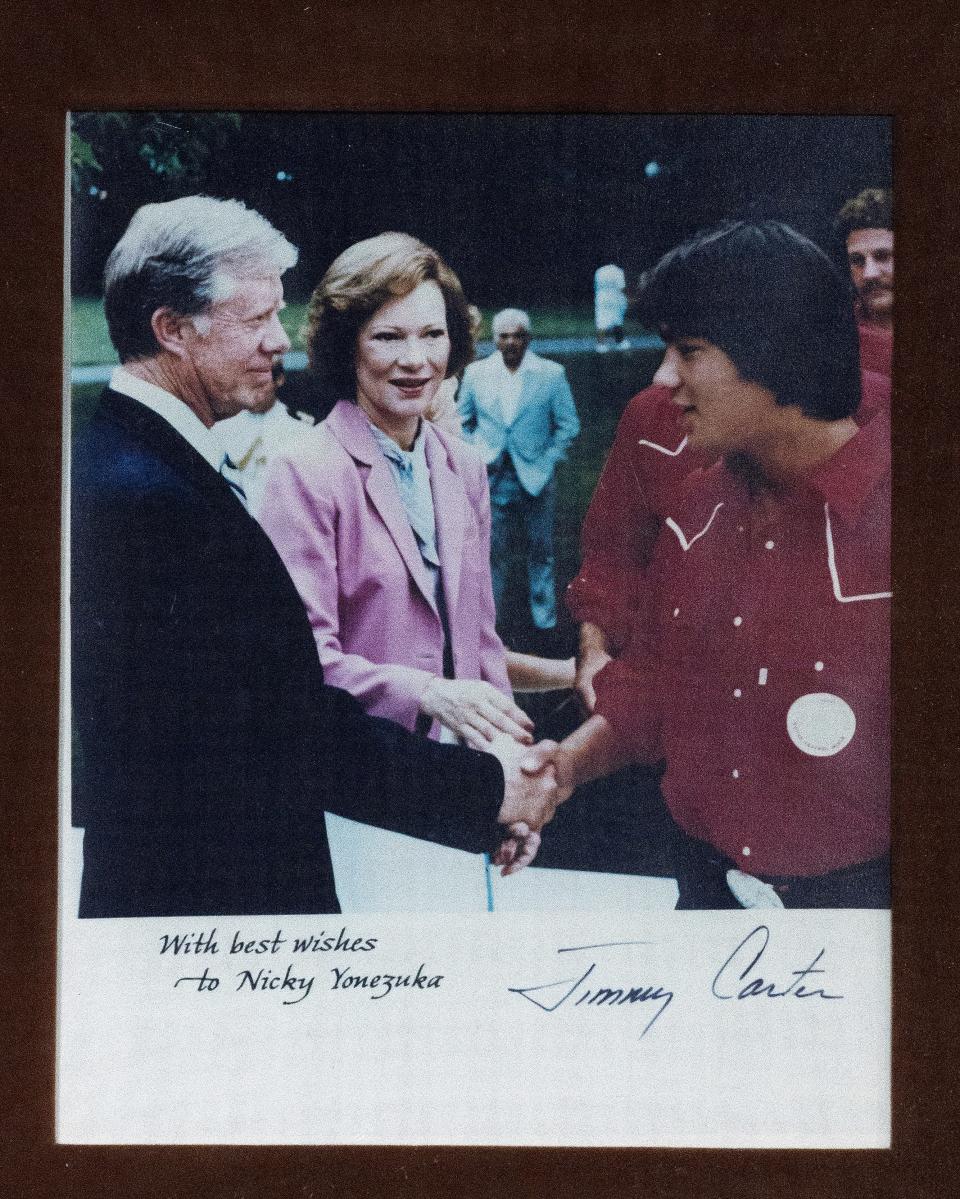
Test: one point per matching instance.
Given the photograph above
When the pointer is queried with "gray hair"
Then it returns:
(510, 316)
(184, 255)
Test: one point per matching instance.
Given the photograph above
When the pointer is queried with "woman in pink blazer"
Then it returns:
(383, 520)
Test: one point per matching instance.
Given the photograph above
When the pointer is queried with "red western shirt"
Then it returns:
(761, 669)
(648, 460)
(876, 348)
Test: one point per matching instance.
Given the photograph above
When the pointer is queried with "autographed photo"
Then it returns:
(475, 689)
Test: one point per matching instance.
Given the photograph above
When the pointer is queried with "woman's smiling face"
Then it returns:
(401, 360)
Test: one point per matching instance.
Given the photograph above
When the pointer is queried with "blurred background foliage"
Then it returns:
(524, 207)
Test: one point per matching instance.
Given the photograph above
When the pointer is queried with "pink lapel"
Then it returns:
(349, 425)
(451, 507)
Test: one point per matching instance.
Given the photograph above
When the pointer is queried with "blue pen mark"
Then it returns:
(489, 878)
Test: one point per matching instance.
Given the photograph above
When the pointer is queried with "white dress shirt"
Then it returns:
(509, 386)
(253, 439)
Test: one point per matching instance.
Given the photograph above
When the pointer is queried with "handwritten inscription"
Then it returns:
(610, 979)
(288, 984)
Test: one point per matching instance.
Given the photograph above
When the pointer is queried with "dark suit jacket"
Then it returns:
(206, 743)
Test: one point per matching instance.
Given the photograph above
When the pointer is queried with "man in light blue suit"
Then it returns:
(517, 409)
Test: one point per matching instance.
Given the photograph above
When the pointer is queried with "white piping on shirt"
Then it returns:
(662, 449)
(672, 524)
(835, 578)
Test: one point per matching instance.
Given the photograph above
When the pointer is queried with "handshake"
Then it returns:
(531, 794)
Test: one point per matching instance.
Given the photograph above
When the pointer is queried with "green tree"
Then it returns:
(175, 149)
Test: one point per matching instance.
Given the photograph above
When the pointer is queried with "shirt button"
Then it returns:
(676, 611)
(737, 621)
(739, 528)
(818, 666)
(735, 773)
(737, 693)
(768, 545)
(746, 851)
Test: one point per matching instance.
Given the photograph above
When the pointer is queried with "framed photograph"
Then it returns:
(248, 973)
(111, 1135)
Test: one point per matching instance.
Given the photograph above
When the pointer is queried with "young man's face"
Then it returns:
(721, 412)
(870, 255)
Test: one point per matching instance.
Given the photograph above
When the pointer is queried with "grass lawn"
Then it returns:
(90, 342)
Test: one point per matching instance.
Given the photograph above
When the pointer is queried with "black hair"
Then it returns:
(773, 302)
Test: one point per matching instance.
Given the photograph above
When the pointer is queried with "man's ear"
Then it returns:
(167, 327)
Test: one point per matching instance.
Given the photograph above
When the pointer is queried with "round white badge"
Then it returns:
(821, 724)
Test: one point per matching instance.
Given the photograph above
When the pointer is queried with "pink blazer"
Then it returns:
(332, 510)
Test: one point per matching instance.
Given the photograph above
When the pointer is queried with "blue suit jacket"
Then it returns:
(207, 744)
(545, 425)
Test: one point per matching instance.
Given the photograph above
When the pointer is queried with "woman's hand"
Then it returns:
(476, 711)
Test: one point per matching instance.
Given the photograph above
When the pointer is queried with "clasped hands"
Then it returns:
(488, 720)
(531, 794)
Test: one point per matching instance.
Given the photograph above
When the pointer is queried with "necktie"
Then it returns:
(225, 466)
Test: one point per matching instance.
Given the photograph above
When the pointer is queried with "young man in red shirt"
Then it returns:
(758, 660)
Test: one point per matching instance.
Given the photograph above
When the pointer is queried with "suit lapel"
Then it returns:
(452, 509)
(153, 431)
(252, 554)
(349, 426)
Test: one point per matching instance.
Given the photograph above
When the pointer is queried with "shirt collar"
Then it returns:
(845, 481)
(848, 478)
(207, 443)
(410, 459)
